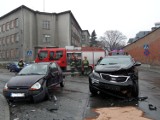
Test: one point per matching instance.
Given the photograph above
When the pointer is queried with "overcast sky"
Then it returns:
(126, 16)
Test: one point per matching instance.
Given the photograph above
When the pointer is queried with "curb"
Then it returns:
(4, 111)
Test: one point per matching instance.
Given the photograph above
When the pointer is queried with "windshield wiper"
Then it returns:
(22, 74)
(112, 63)
(102, 64)
(33, 74)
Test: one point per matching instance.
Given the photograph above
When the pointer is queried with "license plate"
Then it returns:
(17, 94)
(116, 88)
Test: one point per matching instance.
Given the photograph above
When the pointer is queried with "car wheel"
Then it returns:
(48, 95)
(135, 91)
(62, 83)
(92, 90)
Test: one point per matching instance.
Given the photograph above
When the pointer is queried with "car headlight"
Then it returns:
(96, 75)
(6, 87)
(36, 86)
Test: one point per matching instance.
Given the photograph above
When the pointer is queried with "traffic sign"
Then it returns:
(29, 52)
(146, 46)
(146, 52)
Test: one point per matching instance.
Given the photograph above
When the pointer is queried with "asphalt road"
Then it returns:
(74, 102)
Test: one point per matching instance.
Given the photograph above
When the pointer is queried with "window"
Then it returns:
(0, 29)
(0, 41)
(59, 54)
(46, 25)
(12, 53)
(7, 53)
(11, 24)
(12, 38)
(17, 52)
(3, 54)
(7, 26)
(51, 55)
(46, 38)
(42, 55)
(3, 27)
(16, 22)
(16, 37)
(8, 39)
(3, 41)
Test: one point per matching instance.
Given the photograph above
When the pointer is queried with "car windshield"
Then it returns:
(116, 60)
(34, 69)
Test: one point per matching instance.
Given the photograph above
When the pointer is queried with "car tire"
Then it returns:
(135, 91)
(92, 90)
(62, 83)
(48, 95)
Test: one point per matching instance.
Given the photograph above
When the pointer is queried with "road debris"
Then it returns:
(151, 107)
(142, 98)
(33, 110)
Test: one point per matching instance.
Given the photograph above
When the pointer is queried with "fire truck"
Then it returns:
(63, 55)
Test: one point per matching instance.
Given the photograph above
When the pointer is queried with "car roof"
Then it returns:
(44, 63)
(119, 56)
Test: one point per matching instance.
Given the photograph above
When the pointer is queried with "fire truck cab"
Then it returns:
(63, 56)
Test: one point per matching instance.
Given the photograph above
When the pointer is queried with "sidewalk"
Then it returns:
(4, 107)
(4, 111)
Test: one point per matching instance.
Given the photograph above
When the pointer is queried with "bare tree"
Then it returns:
(113, 40)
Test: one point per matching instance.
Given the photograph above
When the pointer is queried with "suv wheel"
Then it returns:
(62, 83)
(92, 90)
(135, 91)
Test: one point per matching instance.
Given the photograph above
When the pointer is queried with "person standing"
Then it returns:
(21, 64)
(85, 64)
(73, 66)
(99, 60)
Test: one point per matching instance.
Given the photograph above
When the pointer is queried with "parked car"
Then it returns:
(115, 75)
(14, 67)
(8, 65)
(34, 82)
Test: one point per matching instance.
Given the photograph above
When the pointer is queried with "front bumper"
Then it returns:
(113, 88)
(28, 95)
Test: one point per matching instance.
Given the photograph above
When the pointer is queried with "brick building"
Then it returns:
(146, 49)
(23, 31)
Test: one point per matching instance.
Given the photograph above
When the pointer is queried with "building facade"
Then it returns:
(146, 49)
(23, 31)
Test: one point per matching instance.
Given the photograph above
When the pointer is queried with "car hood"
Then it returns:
(110, 68)
(25, 80)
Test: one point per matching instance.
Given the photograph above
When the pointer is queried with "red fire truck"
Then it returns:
(63, 55)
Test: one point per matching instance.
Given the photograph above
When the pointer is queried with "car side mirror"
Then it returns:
(137, 64)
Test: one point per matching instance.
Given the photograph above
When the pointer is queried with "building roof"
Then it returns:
(23, 6)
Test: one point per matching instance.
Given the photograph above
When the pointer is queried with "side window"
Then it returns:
(51, 55)
(59, 54)
(42, 55)
(53, 67)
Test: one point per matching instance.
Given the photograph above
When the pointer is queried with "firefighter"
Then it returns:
(85, 64)
(73, 66)
(21, 64)
(99, 60)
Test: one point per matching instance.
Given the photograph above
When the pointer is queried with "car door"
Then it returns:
(54, 73)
